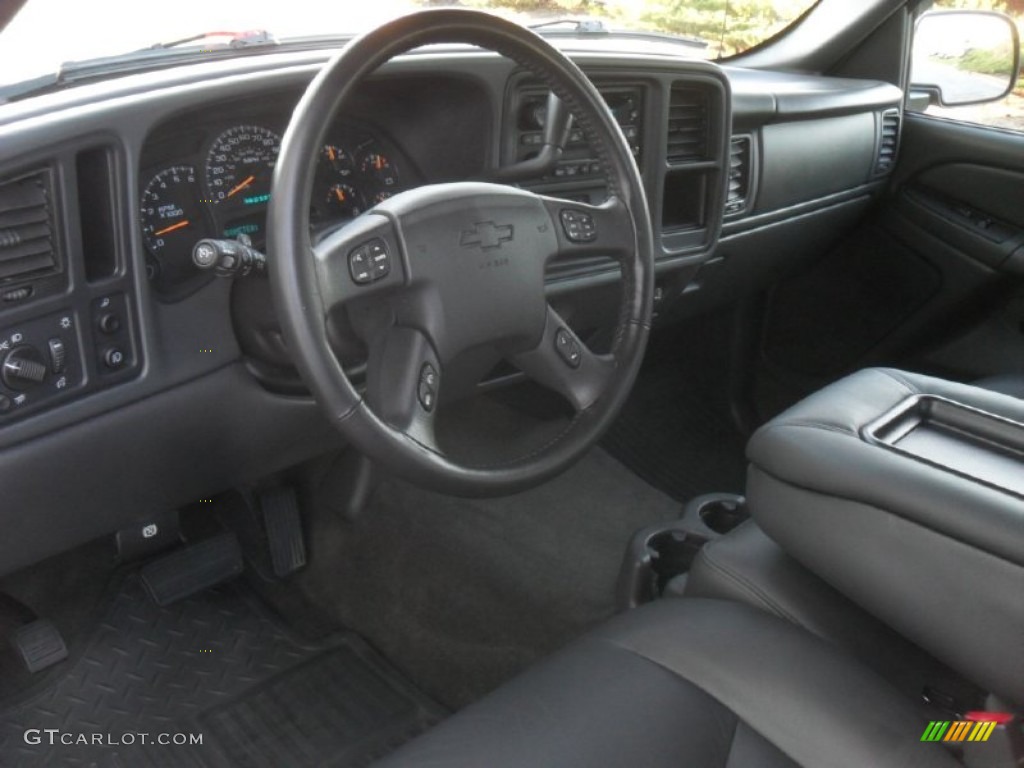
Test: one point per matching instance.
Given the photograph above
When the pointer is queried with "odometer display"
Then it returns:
(240, 164)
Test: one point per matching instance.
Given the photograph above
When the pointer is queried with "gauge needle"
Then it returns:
(340, 195)
(179, 225)
(241, 185)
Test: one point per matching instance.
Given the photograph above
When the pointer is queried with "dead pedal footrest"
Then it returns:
(193, 569)
(39, 645)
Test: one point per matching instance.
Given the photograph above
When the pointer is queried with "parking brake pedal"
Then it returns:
(193, 569)
(39, 645)
(281, 519)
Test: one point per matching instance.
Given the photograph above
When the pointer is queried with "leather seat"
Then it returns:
(703, 683)
(748, 567)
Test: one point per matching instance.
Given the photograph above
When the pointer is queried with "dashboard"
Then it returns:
(141, 384)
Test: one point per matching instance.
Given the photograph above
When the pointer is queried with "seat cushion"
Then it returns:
(749, 567)
(686, 682)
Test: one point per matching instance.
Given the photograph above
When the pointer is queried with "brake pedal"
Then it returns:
(281, 519)
(39, 645)
(193, 569)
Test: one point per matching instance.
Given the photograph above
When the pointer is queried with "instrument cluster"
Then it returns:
(220, 186)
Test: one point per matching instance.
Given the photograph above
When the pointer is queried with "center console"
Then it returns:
(906, 493)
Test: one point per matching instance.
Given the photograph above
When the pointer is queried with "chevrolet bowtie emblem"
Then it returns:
(487, 234)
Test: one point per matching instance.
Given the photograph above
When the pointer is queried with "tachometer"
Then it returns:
(240, 164)
(171, 217)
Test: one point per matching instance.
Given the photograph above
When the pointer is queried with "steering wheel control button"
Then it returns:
(58, 355)
(578, 226)
(380, 259)
(428, 376)
(114, 358)
(369, 262)
(427, 397)
(426, 391)
(359, 265)
(568, 348)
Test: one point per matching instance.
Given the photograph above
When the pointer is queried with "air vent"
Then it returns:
(739, 174)
(888, 142)
(687, 125)
(26, 226)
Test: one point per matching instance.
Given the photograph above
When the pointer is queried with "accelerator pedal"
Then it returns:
(283, 523)
(193, 568)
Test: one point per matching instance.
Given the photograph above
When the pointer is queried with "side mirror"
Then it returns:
(964, 57)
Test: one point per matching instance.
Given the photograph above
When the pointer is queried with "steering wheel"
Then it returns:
(434, 272)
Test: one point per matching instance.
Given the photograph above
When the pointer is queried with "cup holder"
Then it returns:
(658, 558)
(718, 512)
(654, 558)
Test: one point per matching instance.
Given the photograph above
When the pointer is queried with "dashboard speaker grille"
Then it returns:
(26, 226)
(739, 174)
(687, 124)
(888, 142)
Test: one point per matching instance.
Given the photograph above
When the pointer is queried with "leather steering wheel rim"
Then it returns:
(310, 280)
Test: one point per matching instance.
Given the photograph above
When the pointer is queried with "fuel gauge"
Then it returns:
(338, 160)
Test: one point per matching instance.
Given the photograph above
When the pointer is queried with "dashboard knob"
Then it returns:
(23, 368)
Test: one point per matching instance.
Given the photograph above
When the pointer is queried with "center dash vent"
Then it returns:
(687, 124)
(739, 174)
(26, 226)
(888, 141)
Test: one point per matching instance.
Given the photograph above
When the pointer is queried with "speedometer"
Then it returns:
(240, 164)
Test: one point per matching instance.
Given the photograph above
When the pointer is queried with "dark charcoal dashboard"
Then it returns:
(149, 384)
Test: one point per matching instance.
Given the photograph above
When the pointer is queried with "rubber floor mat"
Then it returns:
(218, 667)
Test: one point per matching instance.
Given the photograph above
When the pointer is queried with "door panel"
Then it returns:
(965, 184)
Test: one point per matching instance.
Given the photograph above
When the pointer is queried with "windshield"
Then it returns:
(46, 33)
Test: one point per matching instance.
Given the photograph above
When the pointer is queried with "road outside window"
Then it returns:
(33, 45)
